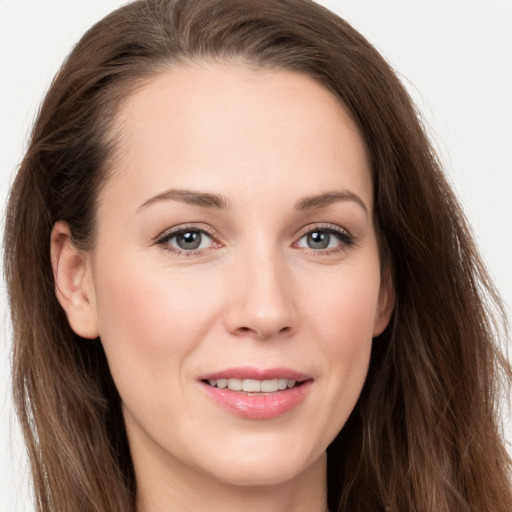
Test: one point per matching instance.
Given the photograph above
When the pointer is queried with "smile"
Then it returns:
(254, 386)
(257, 394)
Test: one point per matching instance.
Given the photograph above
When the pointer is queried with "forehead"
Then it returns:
(230, 129)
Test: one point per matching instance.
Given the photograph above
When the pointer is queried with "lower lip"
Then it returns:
(260, 406)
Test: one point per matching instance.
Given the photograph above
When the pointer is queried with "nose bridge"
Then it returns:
(260, 295)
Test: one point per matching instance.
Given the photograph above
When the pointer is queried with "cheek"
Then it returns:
(149, 321)
(342, 318)
(346, 340)
(344, 309)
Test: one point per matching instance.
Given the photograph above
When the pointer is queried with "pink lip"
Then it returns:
(258, 405)
(248, 372)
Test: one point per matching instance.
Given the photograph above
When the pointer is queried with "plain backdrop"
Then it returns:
(454, 56)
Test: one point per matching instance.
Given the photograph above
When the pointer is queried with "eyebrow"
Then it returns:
(209, 200)
(326, 199)
(202, 199)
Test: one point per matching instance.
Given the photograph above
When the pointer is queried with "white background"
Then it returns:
(455, 57)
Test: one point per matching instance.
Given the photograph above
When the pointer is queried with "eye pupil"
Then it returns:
(188, 240)
(318, 240)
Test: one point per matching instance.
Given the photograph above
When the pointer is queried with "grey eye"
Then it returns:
(318, 240)
(188, 240)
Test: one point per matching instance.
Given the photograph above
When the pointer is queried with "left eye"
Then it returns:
(320, 239)
(188, 240)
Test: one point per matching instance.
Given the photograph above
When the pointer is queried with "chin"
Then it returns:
(257, 477)
(269, 468)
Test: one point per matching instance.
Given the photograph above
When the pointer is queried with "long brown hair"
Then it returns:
(425, 433)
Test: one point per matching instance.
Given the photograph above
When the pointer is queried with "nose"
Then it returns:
(260, 299)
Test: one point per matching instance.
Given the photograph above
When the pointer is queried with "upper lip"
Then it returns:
(248, 372)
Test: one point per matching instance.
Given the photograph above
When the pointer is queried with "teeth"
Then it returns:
(282, 383)
(269, 386)
(235, 384)
(253, 386)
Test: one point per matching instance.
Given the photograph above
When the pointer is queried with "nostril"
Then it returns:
(263, 333)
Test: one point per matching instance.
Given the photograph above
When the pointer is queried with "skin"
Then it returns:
(255, 293)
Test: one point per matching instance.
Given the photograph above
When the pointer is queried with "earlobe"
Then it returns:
(385, 304)
(73, 282)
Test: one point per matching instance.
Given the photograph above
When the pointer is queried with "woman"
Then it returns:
(230, 250)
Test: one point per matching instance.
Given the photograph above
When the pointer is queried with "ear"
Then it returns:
(386, 302)
(74, 285)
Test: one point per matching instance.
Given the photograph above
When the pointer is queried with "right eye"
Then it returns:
(186, 240)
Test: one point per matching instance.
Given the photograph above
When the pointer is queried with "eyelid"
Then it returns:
(183, 228)
(170, 233)
(346, 238)
(321, 226)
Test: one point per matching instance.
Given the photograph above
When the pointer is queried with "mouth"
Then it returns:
(257, 394)
(253, 385)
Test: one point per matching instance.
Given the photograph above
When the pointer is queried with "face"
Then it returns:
(235, 281)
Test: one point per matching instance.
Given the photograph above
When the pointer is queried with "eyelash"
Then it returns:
(345, 238)
(165, 237)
